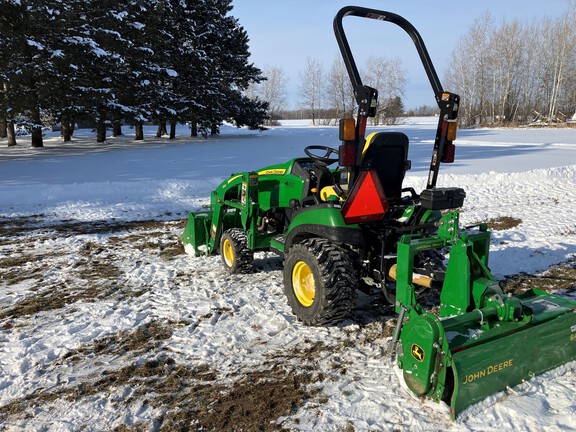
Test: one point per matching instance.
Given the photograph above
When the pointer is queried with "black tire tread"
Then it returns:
(243, 254)
(339, 281)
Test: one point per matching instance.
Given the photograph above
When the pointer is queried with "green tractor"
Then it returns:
(354, 227)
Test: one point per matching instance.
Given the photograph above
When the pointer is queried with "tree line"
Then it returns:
(124, 62)
(512, 72)
(326, 95)
(505, 72)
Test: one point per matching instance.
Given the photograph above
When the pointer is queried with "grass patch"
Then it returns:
(503, 223)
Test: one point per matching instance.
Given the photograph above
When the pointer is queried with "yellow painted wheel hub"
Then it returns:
(303, 283)
(228, 253)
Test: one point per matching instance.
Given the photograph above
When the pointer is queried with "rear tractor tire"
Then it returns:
(236, 256)
(319, 282)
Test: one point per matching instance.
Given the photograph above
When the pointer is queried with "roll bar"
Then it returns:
(382, 16)
(367, 97)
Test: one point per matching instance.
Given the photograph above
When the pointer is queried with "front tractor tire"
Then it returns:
(319, 282)
(236, 256)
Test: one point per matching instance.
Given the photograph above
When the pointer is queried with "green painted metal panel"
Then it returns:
(195, 234)
(492, 364)
(327, 216)
(420, 349)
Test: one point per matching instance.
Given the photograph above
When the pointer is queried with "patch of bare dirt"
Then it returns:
(94, 273)
(146, 338)
(15, 227)
(16, 269)
(503, 223)
(18, 227)
(557, 278)
(91, 280)
(189, 397)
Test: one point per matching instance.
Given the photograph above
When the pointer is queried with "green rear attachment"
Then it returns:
(485, 362)
(481, 340)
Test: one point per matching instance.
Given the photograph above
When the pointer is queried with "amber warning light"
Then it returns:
(449, 128)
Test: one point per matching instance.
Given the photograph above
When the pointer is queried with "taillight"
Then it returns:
(451, 130)
(347, 155)
(347, 130)
(347, 134)
(449, 153)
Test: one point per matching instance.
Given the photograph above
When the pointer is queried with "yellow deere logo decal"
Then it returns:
(417, 352)
(275, 171)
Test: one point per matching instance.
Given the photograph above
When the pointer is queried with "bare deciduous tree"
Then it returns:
(506, 66)
(389, 77)
(510, 72)
(271, 90)
(339, 90)
(312, 87)
(467, 72)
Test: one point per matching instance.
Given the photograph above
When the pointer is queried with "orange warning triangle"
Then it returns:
(367, 201)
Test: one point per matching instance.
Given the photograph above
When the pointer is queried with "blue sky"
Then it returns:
(285, 33)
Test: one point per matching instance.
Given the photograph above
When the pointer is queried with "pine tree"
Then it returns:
(10, 21)
(220, 53)
(125, 60)
(28, 54)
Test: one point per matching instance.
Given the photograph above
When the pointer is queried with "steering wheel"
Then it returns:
(322, 160)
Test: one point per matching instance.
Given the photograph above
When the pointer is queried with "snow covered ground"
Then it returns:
(106, 325)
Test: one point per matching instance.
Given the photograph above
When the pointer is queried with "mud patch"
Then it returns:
(255, 402)
(503, 223)
(557, 278)
(148, 337)
(188, 397)
(181, 396)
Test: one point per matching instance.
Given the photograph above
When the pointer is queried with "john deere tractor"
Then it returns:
(343, 222)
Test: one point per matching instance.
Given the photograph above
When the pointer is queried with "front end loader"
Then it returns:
(355, 227)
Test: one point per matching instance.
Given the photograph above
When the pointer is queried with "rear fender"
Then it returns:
(324, 221)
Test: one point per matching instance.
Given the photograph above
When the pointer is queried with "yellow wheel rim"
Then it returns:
(228, 252)
(303, 283)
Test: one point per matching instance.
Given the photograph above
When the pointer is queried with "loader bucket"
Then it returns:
(488, 360)
(196, 234)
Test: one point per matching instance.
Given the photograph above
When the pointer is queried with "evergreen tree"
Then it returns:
(393, 109)
(28, 68)
(103, 71)
(223, 44)
(10, 23)
(235, 72)
(131, 60)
